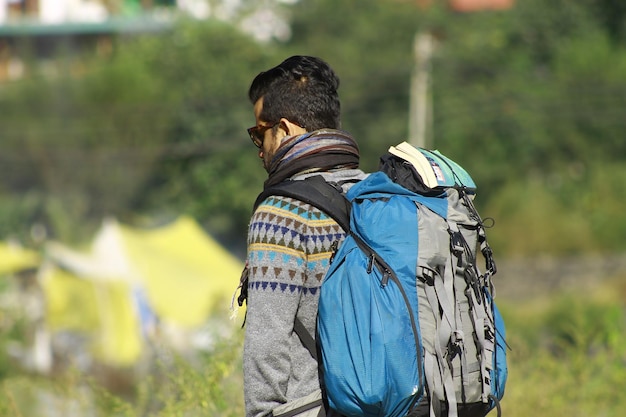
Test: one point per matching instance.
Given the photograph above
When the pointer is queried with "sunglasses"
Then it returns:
(257, 134)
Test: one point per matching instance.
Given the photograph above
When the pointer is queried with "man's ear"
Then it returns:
(290, 128)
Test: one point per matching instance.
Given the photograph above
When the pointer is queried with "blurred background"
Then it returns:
(127, 181)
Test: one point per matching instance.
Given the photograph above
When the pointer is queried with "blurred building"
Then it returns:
(35, 31)
(49, 12)
(477, 5)
(466, 6)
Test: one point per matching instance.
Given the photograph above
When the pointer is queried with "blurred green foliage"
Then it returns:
(568, 353)
(207, 386)
(529, 100)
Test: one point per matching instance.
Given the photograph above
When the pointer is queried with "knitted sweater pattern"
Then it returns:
(284, 234)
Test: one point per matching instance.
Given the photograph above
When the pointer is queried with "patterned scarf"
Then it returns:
(321, 150)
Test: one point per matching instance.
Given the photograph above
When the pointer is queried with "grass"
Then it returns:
(207, 385)
(569, 355)
(568, 358)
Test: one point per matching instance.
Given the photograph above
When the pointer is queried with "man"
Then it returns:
(297, 112)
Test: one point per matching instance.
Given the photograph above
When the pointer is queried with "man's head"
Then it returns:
(303, 90)
(297, 96)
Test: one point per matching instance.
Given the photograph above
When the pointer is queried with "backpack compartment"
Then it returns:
(367, 323)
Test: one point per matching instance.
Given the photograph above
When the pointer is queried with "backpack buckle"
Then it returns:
(455, 346)
(457, 338)
(457, 242)
(490, 263)
(427, 276)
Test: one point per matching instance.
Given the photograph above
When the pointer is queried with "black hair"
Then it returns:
(303, 90)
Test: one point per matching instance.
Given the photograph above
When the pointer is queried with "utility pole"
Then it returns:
(420, 106)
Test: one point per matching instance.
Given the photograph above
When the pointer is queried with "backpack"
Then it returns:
(407, 323)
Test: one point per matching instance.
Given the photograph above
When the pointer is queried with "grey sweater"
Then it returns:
(289, 247)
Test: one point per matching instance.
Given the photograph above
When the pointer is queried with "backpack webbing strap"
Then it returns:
(316, 192)
(305, 337)
(437, 368)
(481, 317)
(480, 313)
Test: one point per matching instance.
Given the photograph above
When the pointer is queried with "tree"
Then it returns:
(158, 128)
(78, 147)
(211, 171)
(135, 134)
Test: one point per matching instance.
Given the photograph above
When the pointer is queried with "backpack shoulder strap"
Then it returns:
(315, 191)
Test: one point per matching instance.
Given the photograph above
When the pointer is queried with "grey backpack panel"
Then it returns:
(455, 319)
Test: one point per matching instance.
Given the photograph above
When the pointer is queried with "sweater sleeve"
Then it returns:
(277, 261)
